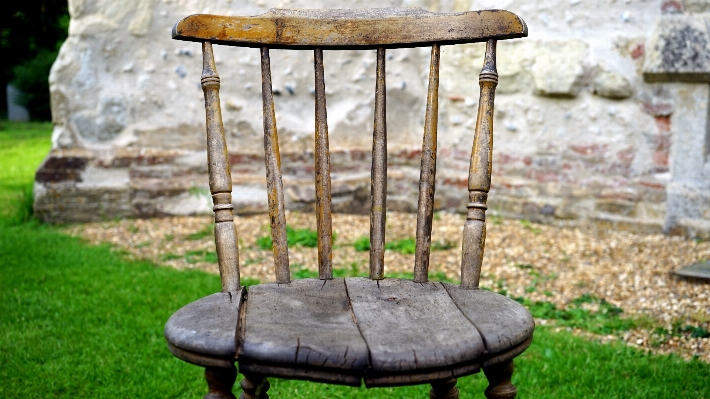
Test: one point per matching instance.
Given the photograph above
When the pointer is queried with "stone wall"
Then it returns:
(580, 136)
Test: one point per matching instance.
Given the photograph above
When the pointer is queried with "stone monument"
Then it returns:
(585, 133)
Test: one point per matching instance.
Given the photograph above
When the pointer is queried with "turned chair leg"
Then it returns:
(220, 382)
(254, 387)
(444, 389)
(499, 385)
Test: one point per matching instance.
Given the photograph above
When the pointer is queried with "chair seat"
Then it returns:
(203, 332)
(387, 332)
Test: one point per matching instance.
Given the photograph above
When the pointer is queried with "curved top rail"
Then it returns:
(366, 28)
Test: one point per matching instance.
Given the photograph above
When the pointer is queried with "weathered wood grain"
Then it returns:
(387, 332)
(220, 176)
(207, 326)
(378, 186)
(499, 385)
(502, 322)
(479, 174)
(366, 28)
(200, 359)
(444, 389)
(411, 326)
(322, 172)
(220, 382)
(254, 386)
(274, 183)
(410, 377)
(509, 354)
(351, 378)
(427, 177)
(307, 323)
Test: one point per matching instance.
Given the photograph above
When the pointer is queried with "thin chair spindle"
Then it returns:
(427, 178)
(274, 184)
(220, 176)
(322, 161)
(479, 175)
(378, 188)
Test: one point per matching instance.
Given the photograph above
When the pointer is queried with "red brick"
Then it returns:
(569, 166)
(456, 182)
(657, 107)
(671, 6)
(663, 122)
(627, 155)
(547, 177)
(660, 158)
(236, 159)
(409, 154)
(358, 155)
(662, 142)
(638, 51)
(652, 184)
(506, 159)
(589, 149)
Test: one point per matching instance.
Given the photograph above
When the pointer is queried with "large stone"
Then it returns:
(696, 6)
(678, 50)
(688, 193)
(558, 69)
(612, 85)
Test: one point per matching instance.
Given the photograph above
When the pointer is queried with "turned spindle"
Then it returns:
(479, 175)
(225, 234)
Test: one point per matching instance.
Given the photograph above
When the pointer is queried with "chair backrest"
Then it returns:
(320, 30)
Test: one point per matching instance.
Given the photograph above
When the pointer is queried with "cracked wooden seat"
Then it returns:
(376, 330)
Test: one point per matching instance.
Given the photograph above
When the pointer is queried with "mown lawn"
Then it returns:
(82, 321)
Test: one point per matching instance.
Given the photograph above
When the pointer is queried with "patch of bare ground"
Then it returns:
(537, 262)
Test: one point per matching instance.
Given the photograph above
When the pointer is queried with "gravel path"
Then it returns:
(538, 262)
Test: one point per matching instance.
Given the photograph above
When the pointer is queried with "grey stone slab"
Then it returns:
(699, 270)
(678, 50)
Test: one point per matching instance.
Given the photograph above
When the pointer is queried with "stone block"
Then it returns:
(686, 201)
(612, 85)
(16, 112)
(692, 228)
(678, 50)
(696, 6)
(558, 69)
(616, 207)
(65, 202)
(604, 221)
(651, 210)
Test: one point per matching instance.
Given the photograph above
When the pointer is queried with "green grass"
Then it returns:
(528, 226)
(362, 244)
(23, 146)
(406, 246)
(81, 321)
(606, 320)
(294, 237)
(299, 271)
(206, 231)
(78, 321)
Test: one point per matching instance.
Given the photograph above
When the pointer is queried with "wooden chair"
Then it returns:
(382, 331)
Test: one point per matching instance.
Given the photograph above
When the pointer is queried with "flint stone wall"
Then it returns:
(580, 136)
